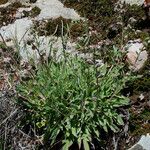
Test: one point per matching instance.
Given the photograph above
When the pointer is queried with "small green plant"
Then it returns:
(71, 101)
(1, 144)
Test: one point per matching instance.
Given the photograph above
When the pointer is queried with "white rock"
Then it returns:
(45, 44)
(136, 56)
(54, 9)
(142, 58)
(141, 96)
(144, 143)
(131, 58)
(19, 30)
(132, 2)
(134, 46)
(4, 5)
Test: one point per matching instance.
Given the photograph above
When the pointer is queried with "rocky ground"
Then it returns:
(26, 24)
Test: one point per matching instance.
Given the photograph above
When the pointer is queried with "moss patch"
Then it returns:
(35, 11)
(7, 13)
(59, 25)
(100, 14)
(51, 26)
(140, 123)
(135, 11)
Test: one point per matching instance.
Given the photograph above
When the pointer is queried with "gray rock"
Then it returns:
(137, 147)
(136, 55)
(19, 31)
(132, 2)
(142, 144)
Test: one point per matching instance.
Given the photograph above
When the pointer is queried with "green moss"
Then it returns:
(100, 14)
(35, 11)
(135, 11)
(54, 26)
(132, 34)
(16, 5)
(139, 123)
(78, 29)
(7, 13)
(2, 45)
(142, 84)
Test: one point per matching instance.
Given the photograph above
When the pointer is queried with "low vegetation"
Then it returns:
(74, 103)
(71, 102)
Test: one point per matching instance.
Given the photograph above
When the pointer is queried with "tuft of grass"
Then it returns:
(71, 101)
(54, 27)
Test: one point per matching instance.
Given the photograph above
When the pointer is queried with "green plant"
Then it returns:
(1, 144)
(139, 122)
(73, 101)
(100, 13)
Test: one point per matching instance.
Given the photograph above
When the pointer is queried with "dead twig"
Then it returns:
(10, 116)
(3, 39)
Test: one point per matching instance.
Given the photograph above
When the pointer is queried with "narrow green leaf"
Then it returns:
(74, 131)
(105, 128)
(67, 144)
(86, 144)
(96, 132)
(120, 120)
(79, 142)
